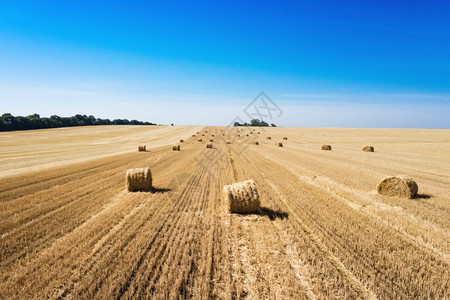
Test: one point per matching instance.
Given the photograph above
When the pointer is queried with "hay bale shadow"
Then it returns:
(273, 214)
(160, 190)
(267, 212)
(422, 196)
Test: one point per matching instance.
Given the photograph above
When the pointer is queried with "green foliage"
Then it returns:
(9, 122)
(254, 122)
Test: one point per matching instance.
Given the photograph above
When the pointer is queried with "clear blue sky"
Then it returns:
(324, 63)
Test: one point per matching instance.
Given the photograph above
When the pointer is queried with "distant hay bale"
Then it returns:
(326, 147)
(193, 135)
(211, 140)
(247, 134)
(251, 132)
(209, 146)
(228, 142)
(285, 138)
(142, 148)
(239, 135)
(181, 141)
(400, 186)
(368, 149)
(176, 148)
(198, 132)
(212, 135)
(259, 132)
(279, 144)
(139, 180)
(199, 140)
(242, 197)
(269, 138)
(256, 143)
(203, 134)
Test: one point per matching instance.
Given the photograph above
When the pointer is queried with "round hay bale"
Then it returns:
(181, 141)
(209, 146)
(400, 186)
(239, 135)
(139, 180)
(256, 143)
(193, 135)
(203, 134)
(212, 135)
(259, 132)
(176, 148)
(211, 140)
(368, 149)
(242, 197)
(142, 148)
(285, 138)
(198, 132)
(269, 138)
(228, 142)
(326, 147)
(199, 140)
(279, 144)
(247, 134)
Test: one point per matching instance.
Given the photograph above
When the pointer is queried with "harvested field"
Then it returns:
(69, 228)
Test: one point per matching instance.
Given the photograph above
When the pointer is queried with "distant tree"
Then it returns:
(237, 124)
(273, 125)
(9, 122)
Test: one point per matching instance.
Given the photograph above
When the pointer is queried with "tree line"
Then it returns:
(8, 122)
(255, 122)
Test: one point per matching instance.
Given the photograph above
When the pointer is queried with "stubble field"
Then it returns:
(68, 228)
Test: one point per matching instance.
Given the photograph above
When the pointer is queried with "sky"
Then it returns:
(382, 64)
